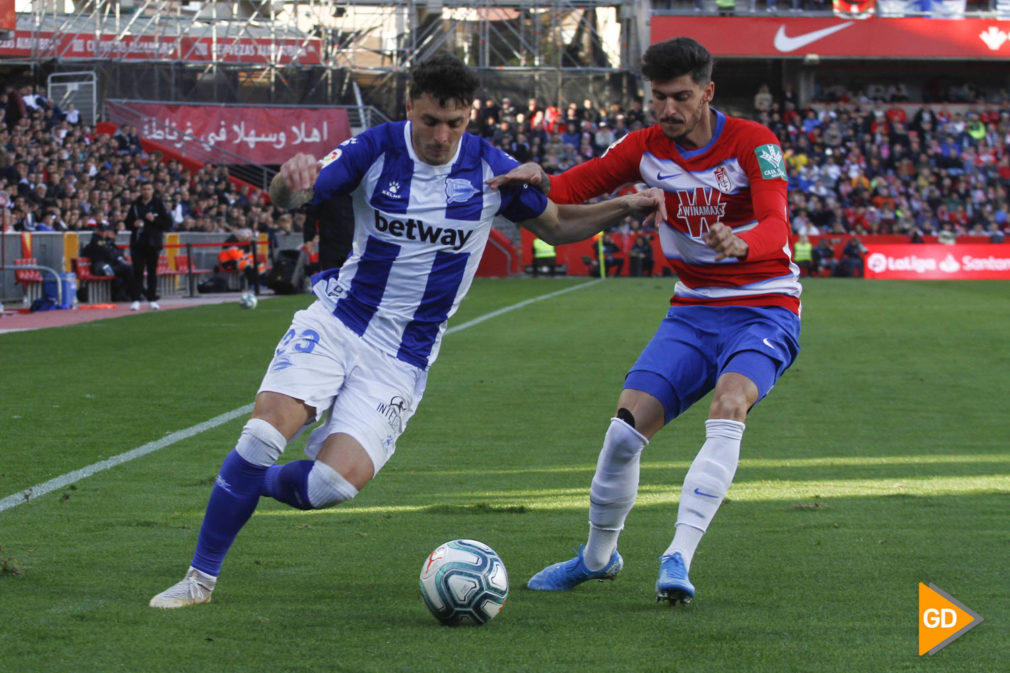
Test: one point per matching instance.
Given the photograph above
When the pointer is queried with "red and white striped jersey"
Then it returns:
(739, 179)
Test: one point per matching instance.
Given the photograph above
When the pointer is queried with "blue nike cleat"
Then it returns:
(673, 584)
(568, 574)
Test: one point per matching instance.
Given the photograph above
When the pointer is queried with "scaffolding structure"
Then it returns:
(311, 51)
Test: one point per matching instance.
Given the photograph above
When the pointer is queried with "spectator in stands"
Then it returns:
(544, 257)
(995, 234)
(641, 259)
(803, 254)
(128, 141)
(107, 260)
(602, 139)
(851, 264)
(606, 245)
(763, 99)
(14, 107)
(823, 258)
(72, 115)
(240, 257)
(571, 135)
(147, 220)
(947, 235)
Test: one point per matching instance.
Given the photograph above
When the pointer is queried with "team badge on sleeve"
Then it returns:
(331, 157)
(771, 162)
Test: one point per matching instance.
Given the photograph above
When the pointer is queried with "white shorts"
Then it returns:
(368, 394)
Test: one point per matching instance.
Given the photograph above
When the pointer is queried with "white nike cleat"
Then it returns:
(195, 588)
(135, 306)
(155, 306)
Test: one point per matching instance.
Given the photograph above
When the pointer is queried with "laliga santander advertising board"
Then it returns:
(937, 262)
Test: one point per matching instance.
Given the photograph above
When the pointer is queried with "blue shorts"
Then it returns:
(694, 345)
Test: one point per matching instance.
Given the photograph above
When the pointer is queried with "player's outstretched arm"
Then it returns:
(560, 224)
(530, 173)
(292, 187)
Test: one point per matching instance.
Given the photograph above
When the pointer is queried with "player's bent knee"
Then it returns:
(260, 443)
(327, 487)
(731, 404)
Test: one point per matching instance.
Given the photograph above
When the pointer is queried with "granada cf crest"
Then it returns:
(722, 179)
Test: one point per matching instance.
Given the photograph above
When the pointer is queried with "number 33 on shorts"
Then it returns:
(300, 342)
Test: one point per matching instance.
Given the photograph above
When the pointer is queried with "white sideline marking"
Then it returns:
(77, 475)
(526, 302)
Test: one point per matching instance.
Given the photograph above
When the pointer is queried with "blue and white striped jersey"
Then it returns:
(419, 234)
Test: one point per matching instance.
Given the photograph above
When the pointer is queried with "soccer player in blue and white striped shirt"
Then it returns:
(358, 357)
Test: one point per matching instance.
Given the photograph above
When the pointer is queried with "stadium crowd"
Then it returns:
(58, 174)
(857, 163)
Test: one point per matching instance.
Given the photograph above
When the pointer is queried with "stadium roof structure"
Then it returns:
(355, 34)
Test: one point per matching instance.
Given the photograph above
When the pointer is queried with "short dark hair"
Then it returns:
(445, 78)
(679, 56)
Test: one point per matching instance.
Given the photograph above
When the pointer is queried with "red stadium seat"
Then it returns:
(98, 288)
(29, 279)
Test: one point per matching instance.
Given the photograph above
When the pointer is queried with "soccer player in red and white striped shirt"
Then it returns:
(733, 325)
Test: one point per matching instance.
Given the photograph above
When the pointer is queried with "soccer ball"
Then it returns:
(464, 582)
(248, 300)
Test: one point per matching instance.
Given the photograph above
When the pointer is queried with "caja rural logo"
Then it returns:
(942, 619)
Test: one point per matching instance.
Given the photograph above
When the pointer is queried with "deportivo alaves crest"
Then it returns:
(459, 190)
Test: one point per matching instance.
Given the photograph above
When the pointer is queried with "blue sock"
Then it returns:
(232, 502)
(289, 483)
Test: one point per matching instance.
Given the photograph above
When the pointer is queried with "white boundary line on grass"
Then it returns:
(77, 475)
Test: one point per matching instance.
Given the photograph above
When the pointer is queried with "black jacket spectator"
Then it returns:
(148, 220)
(107, 260)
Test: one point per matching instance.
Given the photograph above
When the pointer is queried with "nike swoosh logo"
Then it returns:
(786, 44)
(660, 176)
(707, 495)
(767, 343)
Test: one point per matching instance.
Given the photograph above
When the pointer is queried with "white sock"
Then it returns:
(685, 541)
(326, 487)
(205, 580)
(260, 443)
(706, 484)
(613, 492)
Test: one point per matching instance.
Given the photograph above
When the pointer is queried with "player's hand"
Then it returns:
(721, 238)
(529, 173)
(299, 172)
(651, 202)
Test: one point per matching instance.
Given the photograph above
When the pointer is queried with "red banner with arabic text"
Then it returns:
(937, 262)
(262, 135)
(83, 46)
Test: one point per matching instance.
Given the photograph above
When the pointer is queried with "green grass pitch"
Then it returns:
(879, 461)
